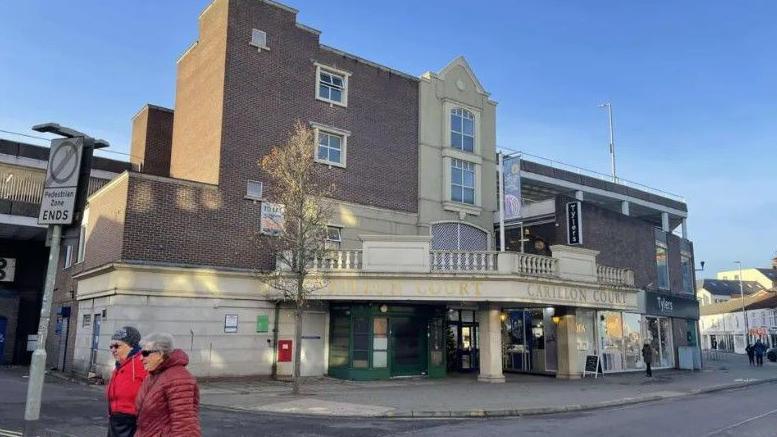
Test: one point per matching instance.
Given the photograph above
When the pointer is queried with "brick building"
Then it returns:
(417, 286)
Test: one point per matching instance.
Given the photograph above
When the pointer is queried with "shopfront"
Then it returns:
(530, 340)
(384, 340)
(670, 322)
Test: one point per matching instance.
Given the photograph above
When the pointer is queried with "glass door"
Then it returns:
(659, 336)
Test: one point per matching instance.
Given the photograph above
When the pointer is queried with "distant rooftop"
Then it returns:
(723, 287)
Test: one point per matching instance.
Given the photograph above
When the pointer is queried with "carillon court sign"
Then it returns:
(59, 191)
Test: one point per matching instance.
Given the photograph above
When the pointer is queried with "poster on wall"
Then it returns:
(272, 219)
(511, 170)
(230, 323)
(574, 224)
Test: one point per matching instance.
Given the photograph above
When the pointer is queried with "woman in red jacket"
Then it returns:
(169, 400)
(125, 382)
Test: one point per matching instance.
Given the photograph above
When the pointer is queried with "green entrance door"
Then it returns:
(408, 344)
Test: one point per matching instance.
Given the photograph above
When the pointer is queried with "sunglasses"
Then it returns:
(146, 353)
(115, 346)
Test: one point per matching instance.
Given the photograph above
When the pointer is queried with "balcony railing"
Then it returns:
(535, 265)
(19, 184)
(339, 260)
(567, 264)
(614, 275)
(463, 261)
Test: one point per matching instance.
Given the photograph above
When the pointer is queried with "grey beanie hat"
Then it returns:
(128, 335)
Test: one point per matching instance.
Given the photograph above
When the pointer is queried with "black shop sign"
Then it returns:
(670, 305)
(574, 224)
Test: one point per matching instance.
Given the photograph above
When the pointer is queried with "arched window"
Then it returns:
(462, 130)
(458, 236)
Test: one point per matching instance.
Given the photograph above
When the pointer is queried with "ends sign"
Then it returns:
(59, 192)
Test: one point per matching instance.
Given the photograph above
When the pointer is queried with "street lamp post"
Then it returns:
(38, 362)
(742, 296)
(608, 105)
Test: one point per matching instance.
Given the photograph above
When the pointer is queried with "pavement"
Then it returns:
(464, 396)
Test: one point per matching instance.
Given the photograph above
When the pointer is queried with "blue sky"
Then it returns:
(693, 84)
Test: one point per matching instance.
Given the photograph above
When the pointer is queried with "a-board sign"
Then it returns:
(591, 365)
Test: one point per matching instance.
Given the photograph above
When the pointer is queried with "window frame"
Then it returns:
(81, 254)
(661, 244)
(332, 131)
(448, 106)
(471, 167)
(342, 74)
(332, 244)
(462, 112)
(248, 194)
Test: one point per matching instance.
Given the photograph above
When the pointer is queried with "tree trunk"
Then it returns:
(297, 347)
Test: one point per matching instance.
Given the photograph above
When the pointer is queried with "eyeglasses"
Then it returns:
(115, 346)
(146, 353)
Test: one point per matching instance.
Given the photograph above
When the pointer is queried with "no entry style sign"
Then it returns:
(59, 191)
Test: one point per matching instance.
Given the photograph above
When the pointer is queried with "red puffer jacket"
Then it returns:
(169, 400)
(125, 384)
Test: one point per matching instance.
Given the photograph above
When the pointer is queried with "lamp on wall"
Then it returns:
(503, 316)
(556, 319)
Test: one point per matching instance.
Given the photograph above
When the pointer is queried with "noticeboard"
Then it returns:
(61, 185)
(230, 323)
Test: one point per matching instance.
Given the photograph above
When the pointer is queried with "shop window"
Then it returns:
(361, 343)
(611, 341)
(340, 339)
(379, 342)
(691, 333)
(632, 340)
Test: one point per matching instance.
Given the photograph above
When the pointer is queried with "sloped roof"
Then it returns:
(759, 300)
(724, 287)
(769, 273)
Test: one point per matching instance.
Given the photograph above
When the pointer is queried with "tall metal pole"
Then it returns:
(38, 364)
(742, 296)
(500, 161)
(608, 105)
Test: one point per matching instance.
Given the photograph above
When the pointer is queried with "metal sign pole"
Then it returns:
(38, 365)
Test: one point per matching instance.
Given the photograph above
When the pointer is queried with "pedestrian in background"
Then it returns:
(760, 350)
(169, 400)
(647, 356)
(750, 353)
(126, 379)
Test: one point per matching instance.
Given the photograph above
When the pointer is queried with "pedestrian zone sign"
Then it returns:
(59, 192)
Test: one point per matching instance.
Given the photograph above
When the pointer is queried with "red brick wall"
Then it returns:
(265, 92)
(199, 101)
(180, 222)
(152, 140)
(105, 226)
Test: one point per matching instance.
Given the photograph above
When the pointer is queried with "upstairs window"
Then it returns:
(462, 130)
(331, 85)
(333, 237)
(254, 190)
(462, 181)
(330, 148)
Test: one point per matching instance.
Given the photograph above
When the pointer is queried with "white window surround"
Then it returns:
(82, 237)
(344, 134)
(68, 255)
(450, 205)
(251, 190)
(258, 40)
(334, 237)
(345, 75)
(448, 106)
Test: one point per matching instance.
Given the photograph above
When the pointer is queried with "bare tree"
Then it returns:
(290, 170)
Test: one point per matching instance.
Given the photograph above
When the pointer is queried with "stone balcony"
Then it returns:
(413, 254)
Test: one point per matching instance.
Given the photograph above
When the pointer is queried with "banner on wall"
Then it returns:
(272, 219)
(511, 170)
